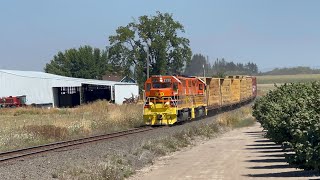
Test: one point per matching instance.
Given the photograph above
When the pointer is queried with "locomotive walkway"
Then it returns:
(239, 154)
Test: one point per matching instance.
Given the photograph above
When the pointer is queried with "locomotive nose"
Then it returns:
(157, 93)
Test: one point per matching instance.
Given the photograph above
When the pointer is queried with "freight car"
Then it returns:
(172, 99)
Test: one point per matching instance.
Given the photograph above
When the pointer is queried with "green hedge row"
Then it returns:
(290, 114)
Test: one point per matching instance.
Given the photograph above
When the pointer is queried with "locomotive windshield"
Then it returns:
(161, 85)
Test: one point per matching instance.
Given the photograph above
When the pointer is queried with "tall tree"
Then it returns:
(85, 62)
(156, 37)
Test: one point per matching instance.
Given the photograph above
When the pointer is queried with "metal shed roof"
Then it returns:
(47, 76)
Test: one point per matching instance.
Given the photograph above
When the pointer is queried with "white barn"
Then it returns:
(59, 91)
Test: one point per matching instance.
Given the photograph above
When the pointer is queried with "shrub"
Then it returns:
(291, 116)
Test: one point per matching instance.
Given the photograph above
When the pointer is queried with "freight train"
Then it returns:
(173, 99)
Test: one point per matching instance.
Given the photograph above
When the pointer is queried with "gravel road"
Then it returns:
(238, 154)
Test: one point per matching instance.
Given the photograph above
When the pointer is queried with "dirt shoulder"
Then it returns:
(239, 154)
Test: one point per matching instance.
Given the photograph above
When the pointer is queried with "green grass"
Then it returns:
(271, 79)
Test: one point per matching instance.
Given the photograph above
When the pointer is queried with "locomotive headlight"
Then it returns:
(167, 104)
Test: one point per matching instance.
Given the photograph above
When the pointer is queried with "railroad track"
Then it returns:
(25, 152)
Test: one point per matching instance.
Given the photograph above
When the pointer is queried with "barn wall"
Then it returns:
(125, 91)
(37, 90)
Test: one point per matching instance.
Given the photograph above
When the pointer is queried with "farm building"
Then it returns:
(58, 91)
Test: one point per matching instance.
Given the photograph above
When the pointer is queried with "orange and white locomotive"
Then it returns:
(172, 99)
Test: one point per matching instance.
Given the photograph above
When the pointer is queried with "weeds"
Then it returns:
(113, 167)
(245, 122)
(22, 127)
(31, 126)
(119, 167)
(235, 118)
(47, 131)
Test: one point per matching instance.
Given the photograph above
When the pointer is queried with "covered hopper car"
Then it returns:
(172, 99)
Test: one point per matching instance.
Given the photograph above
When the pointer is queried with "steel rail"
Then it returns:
(24, 152)
(19, 153)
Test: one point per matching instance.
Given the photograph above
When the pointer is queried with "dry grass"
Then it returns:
(113, 167)
(271, 79)
(22, 127)
(240, 118)
(119, 166)
(263, 89)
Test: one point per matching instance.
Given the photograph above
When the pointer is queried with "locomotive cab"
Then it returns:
(161, 86)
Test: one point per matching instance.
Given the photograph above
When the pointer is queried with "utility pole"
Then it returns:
(207, 63)
(204, 70)
(147, 63)
(107, 51)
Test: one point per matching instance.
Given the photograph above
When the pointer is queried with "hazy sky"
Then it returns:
(271, 33)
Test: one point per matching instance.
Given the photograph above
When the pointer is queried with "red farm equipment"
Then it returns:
(12, 101)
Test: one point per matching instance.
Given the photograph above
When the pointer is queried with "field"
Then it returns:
(271, 79)
(266, 83)
(22, 127)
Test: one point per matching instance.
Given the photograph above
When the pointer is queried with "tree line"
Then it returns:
(200, 66)
(292, 71)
